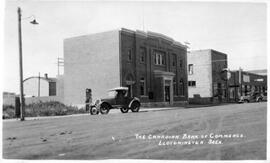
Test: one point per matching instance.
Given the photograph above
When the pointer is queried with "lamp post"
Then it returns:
(22, 106)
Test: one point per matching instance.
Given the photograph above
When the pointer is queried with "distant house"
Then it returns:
(258, 72)
(244, 82)
(36, 86)
(9, 98)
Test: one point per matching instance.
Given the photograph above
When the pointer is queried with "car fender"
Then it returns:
(135, 99)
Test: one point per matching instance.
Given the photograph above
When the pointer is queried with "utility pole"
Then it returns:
(22, 107)
(60, 62)
(39, 84)
(240, 81)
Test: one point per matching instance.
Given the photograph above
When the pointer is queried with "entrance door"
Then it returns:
(167, 93)
(130, 94)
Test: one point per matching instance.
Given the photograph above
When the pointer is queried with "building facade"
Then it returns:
(241, 83)
(151, 65)
(207, 81)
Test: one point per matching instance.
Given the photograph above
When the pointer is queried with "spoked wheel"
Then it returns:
(135, 107)
(124, 110)
(93, 111)
(104, 109)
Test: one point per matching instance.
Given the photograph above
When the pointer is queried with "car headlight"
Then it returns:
(97, 102)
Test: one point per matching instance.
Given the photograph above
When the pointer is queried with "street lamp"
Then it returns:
(22, 106)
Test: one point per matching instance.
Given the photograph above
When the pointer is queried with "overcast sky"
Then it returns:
(237, 29)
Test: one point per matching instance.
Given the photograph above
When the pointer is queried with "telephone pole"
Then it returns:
(22, 106)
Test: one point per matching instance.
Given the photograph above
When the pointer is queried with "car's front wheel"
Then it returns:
(135, 107)
(104, 109)
(93, 111)
(124, 110)
(246, 101)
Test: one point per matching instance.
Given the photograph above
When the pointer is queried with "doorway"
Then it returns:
(130, 93)
(167, 93)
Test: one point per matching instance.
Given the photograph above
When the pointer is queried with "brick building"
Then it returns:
(152, 65)
(206, 79)
(244, 82)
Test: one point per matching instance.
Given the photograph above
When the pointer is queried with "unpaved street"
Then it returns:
(122, 136)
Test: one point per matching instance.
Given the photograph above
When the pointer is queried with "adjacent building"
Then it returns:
(244, 82)
(43, 88)
(207, 77)
(36, 86)
(153, 66)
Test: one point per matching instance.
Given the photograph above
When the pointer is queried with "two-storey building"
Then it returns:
(153, 66)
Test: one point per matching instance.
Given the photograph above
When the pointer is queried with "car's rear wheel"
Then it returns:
(93, 111)
(104, 109)
(259, 100)
(246, 101)
(135, 107)
(124, 110)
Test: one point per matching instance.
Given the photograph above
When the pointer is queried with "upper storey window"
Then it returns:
(129, 54)
(190, 69)
(159, 58)
(143, 55)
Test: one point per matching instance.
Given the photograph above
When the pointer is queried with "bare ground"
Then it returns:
(112, 136)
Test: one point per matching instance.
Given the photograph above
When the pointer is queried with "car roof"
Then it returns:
(119, 88)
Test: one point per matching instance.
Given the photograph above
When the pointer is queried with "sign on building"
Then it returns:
(246, 78)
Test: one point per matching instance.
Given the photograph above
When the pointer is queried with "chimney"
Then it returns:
(46, 75)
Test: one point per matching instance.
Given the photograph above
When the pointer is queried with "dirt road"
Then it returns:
(235, 131)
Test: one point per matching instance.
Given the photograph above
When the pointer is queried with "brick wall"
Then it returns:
(133, 41)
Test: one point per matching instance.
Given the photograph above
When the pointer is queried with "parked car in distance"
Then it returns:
(251, 97)
(264, 95)
(119, 99)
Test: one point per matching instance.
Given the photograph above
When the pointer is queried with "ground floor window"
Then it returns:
(175, 93)
(192, 83)
(142, 86)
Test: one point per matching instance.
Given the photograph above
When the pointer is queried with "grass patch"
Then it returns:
(52, 108)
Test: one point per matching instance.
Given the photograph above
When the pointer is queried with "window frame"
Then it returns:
(192, 83)
(160, 58)
(190, 69)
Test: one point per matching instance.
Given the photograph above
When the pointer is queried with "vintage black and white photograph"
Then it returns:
(144, 80)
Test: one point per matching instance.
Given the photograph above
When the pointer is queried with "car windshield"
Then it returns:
(112, 93)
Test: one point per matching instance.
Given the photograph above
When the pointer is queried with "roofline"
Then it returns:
(43, 78)
(208, 50)
(154, 34)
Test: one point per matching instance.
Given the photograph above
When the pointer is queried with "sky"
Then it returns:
(237, 29)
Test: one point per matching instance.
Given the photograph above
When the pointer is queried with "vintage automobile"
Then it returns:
(251, 97)
(119, 99)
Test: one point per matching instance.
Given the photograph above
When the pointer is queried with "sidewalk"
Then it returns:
(117, 111)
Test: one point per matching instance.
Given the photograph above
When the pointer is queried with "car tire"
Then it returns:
(135, 107)
(104, 109)
(259, 100)
(94, 111)
(246, 101)
(124, 110)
